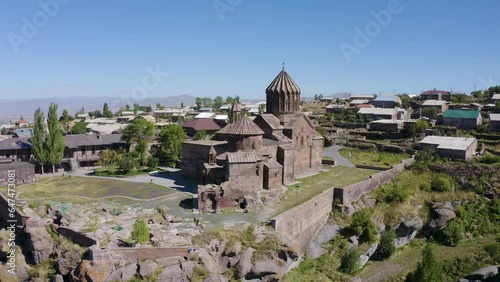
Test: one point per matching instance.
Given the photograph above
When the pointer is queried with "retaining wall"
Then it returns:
(303, 222)
(19, 216)
(152, 252)
(76, 237)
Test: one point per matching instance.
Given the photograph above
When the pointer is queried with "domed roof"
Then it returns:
(283, 84)
(244, 126)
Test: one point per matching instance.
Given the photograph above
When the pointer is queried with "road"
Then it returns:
(333, 152)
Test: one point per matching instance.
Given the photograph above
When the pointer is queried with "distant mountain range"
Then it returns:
(14, 108)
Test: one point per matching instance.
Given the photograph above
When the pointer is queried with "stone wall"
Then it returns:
(152, 252)
(19, 217)
(302, 222)
(76, 237)
(353, 192)
(25, 172)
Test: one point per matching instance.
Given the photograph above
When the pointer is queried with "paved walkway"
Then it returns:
(333, 152)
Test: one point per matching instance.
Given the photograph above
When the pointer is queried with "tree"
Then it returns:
(55, 141)
(106, 112)
(38, 139)
(200, 135)
(453, 232)
(421, 126)
(97, 114)
(477, 94)
(127, 107)
(199, 103)
(79, 128)
(363, 225)
(428, 270)
(140, 231)
(110, 158)
(65, 116)
(182, 104)
(159, 106)
(387, 247)
(140, 132)
(207, 102)
(128, 163)
(81, 111)
(137, 107)
(229, 100)
(316, 97)
(218, 102)
(152, 163)
(320, 96)
(441, 184)
(171, 138)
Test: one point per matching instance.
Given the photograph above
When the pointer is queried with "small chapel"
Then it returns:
(250, 157)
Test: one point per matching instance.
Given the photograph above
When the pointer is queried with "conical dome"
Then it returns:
(283, 84)
(244, 126)
(282, 95)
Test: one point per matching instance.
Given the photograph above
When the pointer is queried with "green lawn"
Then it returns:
(64, 186)
(311, 186)
(372, 158)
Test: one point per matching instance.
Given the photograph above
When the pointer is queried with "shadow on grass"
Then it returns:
(186, 204)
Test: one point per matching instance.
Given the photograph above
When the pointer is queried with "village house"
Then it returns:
(199, 124)
(462, 119)
(494, 122)
(368, 97)
(387, 125)
(440, 105)
(21, 123)
(451, 147)
(378, 113)
(495, 98)
(436, 95)
(386, 102)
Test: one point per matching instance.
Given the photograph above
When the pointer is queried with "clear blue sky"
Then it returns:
(101, 48)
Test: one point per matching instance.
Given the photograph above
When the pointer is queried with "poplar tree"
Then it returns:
(55, 141)
(38, 139)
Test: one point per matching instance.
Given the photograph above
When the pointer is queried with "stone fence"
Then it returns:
(19, 216)
(303, 222)
(153, 252)
(76, 237)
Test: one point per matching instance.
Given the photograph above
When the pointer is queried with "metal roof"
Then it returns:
(434, 103)
(283, 84)
(495, 117)
(75, 141)
(445, 142)
(495, 97)
(377, 111)
(15, 144)
(243, 157)
(244, 126)
(359, 101)
(205, 115)
(202, 124)
(465, 114)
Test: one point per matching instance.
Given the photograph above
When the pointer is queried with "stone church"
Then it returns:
(249, 158)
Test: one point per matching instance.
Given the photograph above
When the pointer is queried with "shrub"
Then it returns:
(127, 163)
(425, 186)
(453, 232)
(152, 163)
(363, 225)
(460, 211)
(441, 184)
(428, 270)
(387, 247)
(199, 273)
(200, 135)
(140, 231)
(349, 263)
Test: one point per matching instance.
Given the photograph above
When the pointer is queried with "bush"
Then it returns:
(387, 247)
(363, 226)
(453, 232)
(152, 163)
(200, 135)
(425, 186)
(349, 263)
(127, 164)
(140, 231)
(440, 184)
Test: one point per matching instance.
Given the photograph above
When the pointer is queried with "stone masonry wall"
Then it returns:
(302, 222)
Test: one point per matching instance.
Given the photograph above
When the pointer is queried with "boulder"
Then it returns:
(233, 250)
(39, 244)
(124, 273)
(245, 264)
(92, 271)
(215, 277)
(62, 266)
(443, 216)
(363, 259)
(57, 278)
(485, 273)
(172, 273)
(264, 268)
(354, 240)
(147, 268)
(166, 262)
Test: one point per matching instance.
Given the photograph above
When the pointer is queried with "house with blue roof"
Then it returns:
(387, 102)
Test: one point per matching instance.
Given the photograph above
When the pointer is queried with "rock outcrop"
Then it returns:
(39, 244)
(326, 234)
(444, 213)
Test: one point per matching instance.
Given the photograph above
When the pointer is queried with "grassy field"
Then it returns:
(66, 186)
(313, 185)
(372, 158)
